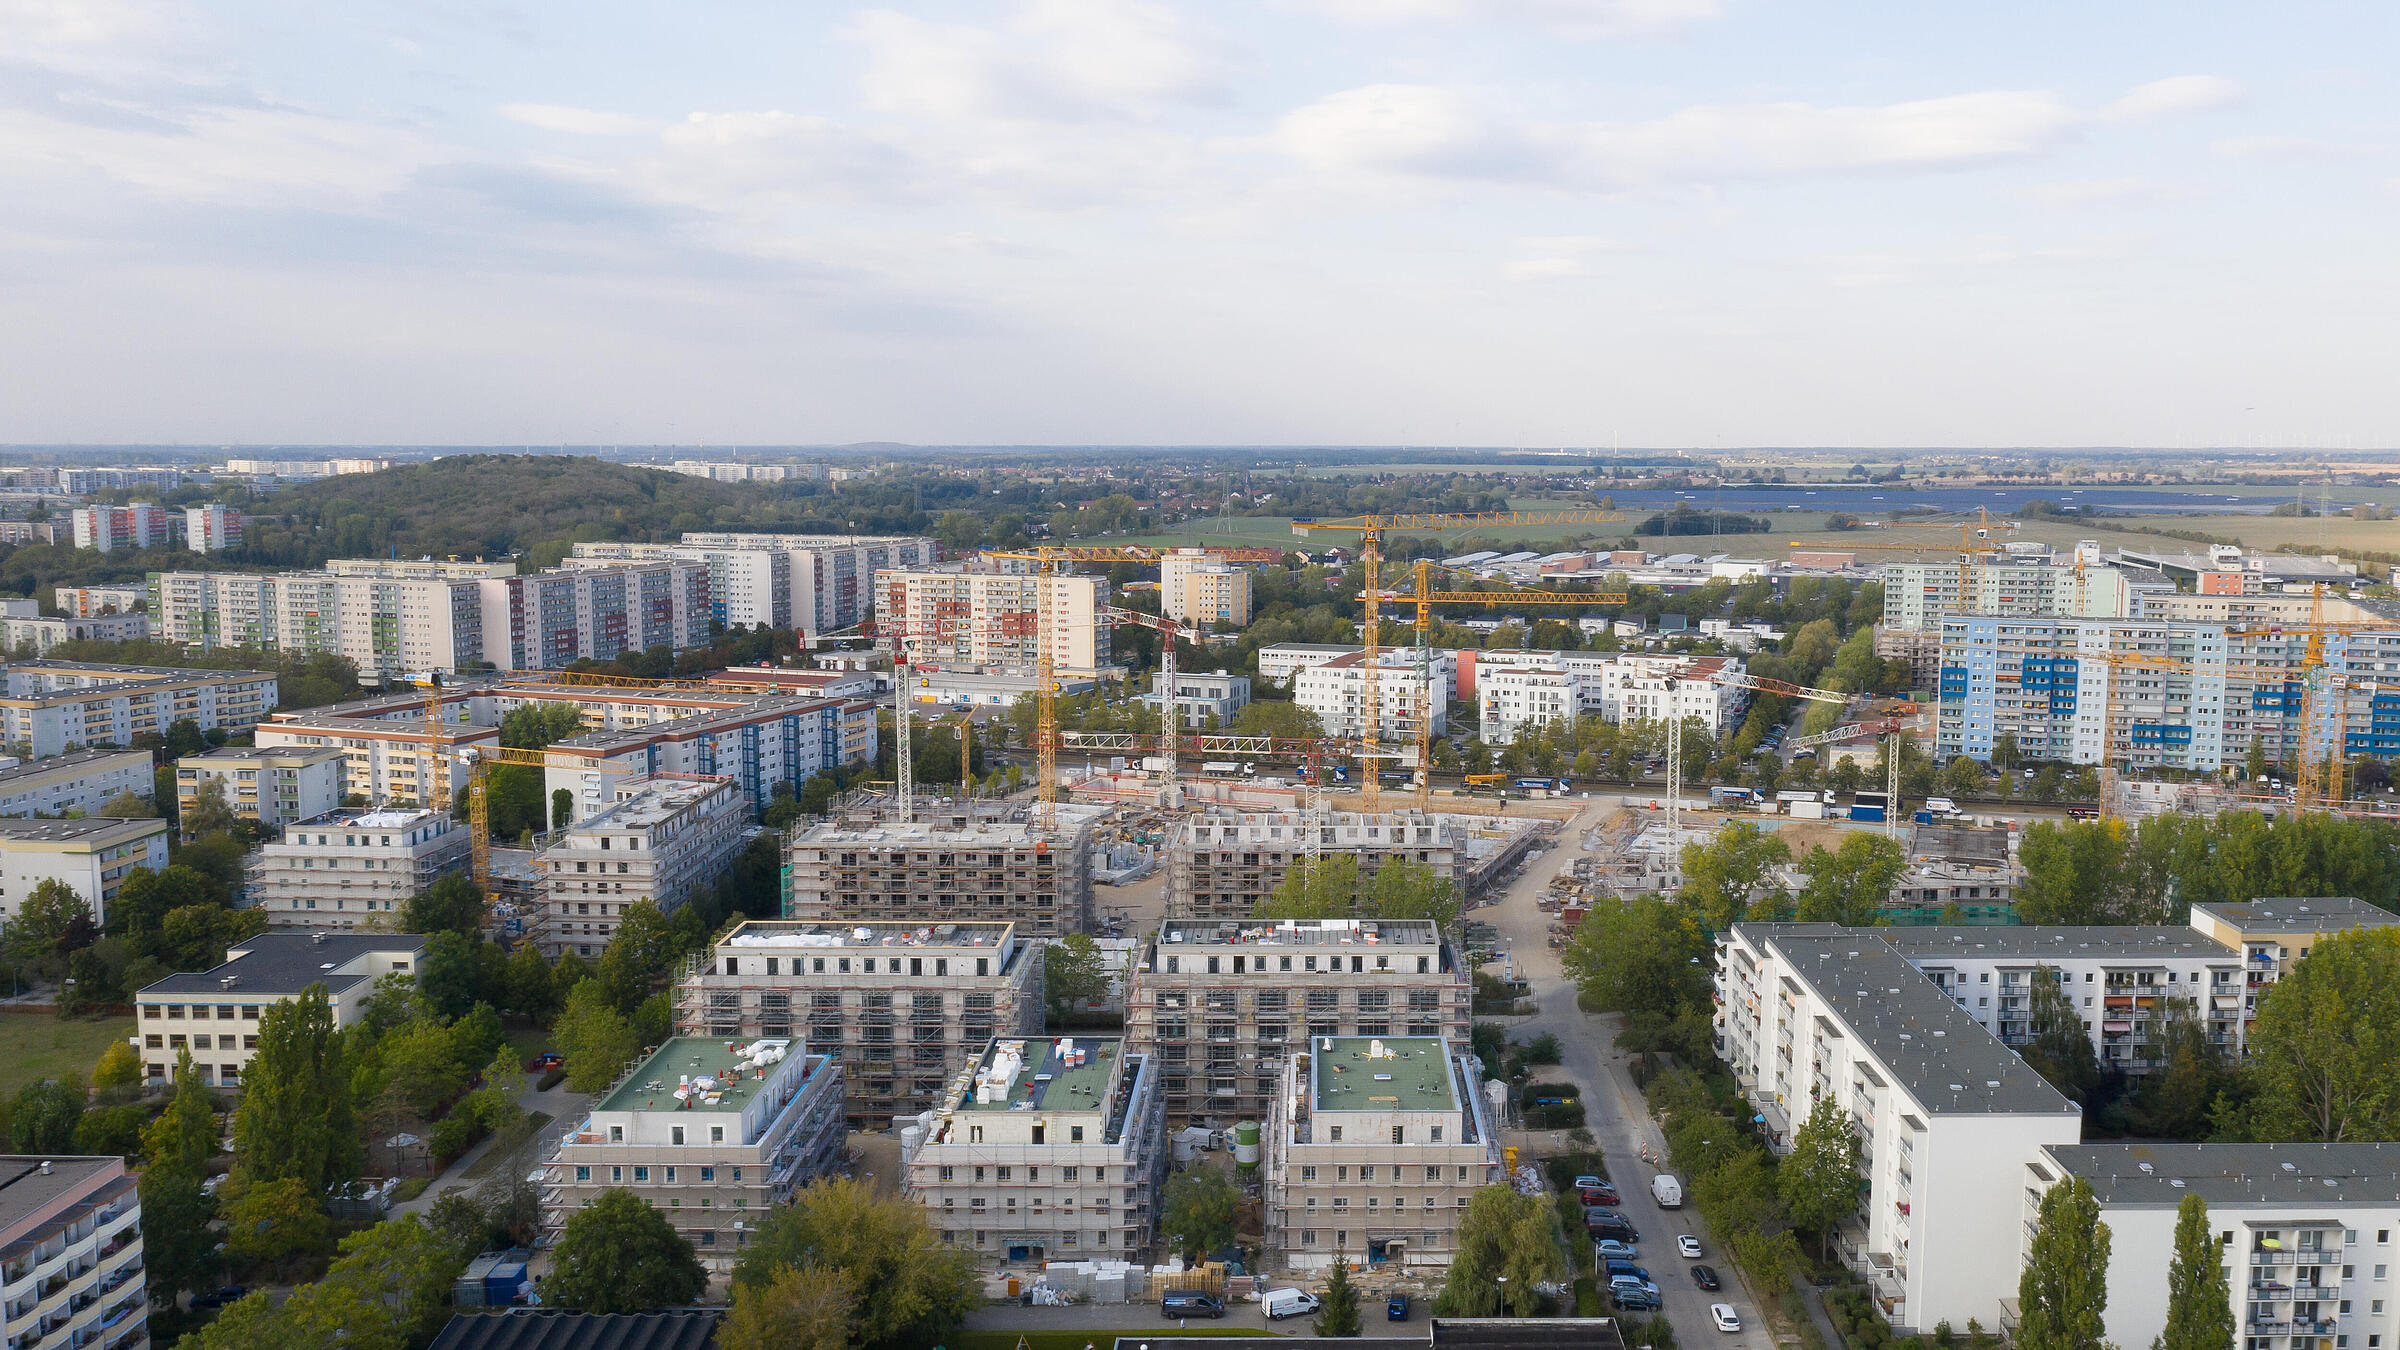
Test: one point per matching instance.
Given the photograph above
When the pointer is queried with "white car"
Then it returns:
(1725, 1317)
(1689, 1246)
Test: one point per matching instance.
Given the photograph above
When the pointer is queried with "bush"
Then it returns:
(1562, 1117)
(453, 1135)
(1563, 1169)
(550, 1080)
(1542, 1049)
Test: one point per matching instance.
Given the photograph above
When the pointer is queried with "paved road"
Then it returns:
(1613, 1106)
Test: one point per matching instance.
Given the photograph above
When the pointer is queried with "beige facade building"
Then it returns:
(1372, 1152)
(388, 761)
(986, 618)
(1223, 863)
(2272, 935)
(904, 1008)
(354, 868)
(215, 1013)
(271, 786)
(71, 1254)
(713, 1139)
(81, 781)
(92, 856)
(1201, 590)
(950, 871)
(1045, 1150)
(51, 707)
(1221, 1007)
(663, 837)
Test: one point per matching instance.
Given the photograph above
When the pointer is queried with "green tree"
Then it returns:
(910, 1290)
(1725, 874)
(618, 1255)
(2006, 753)
(296, 1118)
(407, 1266)
(594, 1038)
(2178, 1099)
(451, 904)
(44, 1115)
(2058, 1045)
(1644, 958)
(2326, 1037)
(272, 1222)
(179, 1250)
(118, 1075)
(210, 812)
(1074, 974)
(2254, 763)
(1329, 890)
(562, 808)
(1339, 1315)
(1404, 888)
(1197, 1212)
(530, 993)
(2063, 1291)
(1507, 1244)
(1288, 720)
(184, 1137)
(1852, 883)
(1818, 1180)
(2199, 1301)
(1965, 778)
(128, 806)
(796, 1310)
(47, 925)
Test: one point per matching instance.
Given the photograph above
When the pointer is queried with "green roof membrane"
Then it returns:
(1412, 1073)
(651, 1086)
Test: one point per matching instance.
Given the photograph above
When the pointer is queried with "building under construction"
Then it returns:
(956, 869)
(1224, 863)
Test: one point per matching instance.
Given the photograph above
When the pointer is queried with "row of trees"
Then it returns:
(2082, 872)
(2062, 1294)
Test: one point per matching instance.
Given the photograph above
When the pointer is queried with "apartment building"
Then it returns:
(948, 616)
(660, 839)
(1045, 1151)
(51, 707)
(758, 743)
(905, 1008)
(1945, 1114)
(2171, 693)
(814, 583)
(950, 871)
(212, 529)
(37, 636)
(1222, 1006)
(215, 1013)
(1223, 863)
(269, 785)
(1203, 698)
(1336, 691)
(1920, 649)
(713, 1139)
(71, 1254)
(550, 619)
(765, 679)
(85, 602)
(92, 856)
(2271, 935)
(1284, 660)
(385, 760)
(350, 869)
(1373, 1149)
(2306, 1231)
(1201, 590)
(1917, 596)
(1516, 689)
(109, 528)
(82, 781)
(1512, 698)
(421, 569)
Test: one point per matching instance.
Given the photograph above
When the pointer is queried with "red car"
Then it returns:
(544, 1062)
(1600, 1195)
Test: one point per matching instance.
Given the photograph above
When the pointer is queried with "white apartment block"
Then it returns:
(813, 583)
(1200, 589)
(1284, 660)
(1512, 698)
(1044, 1151)
(1373, 1149)
(81, 781)
(421, 569)
(109, 528)
(71, 1253)
(730, 471)
(947, 871)
(215, 1013)
(2306, 1230)
(36, 636)
(51, 707)
(1516, 689)
(549, 619)
(1222, 1005)
(353, 869)
(1221, 863)
(2272, 934)
(212, 529)
(92, 856)
(1202, 696)
(271, 786)
(1917, 596)
(713, 1139)
(660, 839)
(757, 742)
(1336, 691)
(84, 602)
(947, 616)
(385, 760)
(904, 1008)
(1946, 1116)
(306, 468)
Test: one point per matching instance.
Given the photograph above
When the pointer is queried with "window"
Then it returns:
(708, 1174)
(1337, 1134)
(678, 1135)
(1074, 1134)
(641, 1174)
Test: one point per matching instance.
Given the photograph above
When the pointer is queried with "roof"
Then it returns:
(26, 1188)
(565, 1329)
(2308, 914)
(2034, 942)
(651, 1084)
(287, 963)
(659, 800)
(1300, 933)
(1961, 843)
(1526, 1333)
(1381, 1073)
(1046, 1081)
(76, 759)
(2285, 1175)
(1937, 1050)
(91, 831)
(786, 933)
(261, 754)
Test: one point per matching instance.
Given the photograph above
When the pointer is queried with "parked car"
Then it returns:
(1190, 1303)
(1614, 1226)
(1282, 1303)
(1620, 1269)
(1704, 1277)
(1632, 1300)
(1602, 1194)
(1688, 1245)
(1397, 1309)
(1725, 1317)
(1620, 1250)
(544, 1062)
(1588, 1182)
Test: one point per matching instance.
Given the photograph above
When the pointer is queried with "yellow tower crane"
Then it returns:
(478, 761)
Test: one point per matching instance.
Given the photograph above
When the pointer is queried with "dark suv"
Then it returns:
(1190, 1303)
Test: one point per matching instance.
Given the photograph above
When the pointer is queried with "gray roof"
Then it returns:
(2035, 942)
(95, 830)
(288, 963)
(2284, 1175)
(1935, 1049)
(699, 723)
(566, 1329)
(2318, 913)
(73, 759)
(26, 1188)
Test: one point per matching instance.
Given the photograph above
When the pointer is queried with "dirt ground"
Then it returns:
(1801, 835)
(875, 1159)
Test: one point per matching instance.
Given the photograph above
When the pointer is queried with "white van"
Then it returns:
(1282, 1303)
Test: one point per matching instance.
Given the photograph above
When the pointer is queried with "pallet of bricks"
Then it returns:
(1210, 1278)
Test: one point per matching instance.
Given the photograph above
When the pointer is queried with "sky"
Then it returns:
(1637, 223)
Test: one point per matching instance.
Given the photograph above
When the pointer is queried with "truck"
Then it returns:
(1733, 798)
(1803, 803)
(1667, 1191)
(1870, 805)
(1225, 768)
(1543, 785)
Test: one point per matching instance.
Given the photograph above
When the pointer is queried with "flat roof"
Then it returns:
(651, 1085)
(982, 834)
(657, 801)
(1299, 933)
(2302, 914)
(73, 759)
(715, 714)
(1045, 1080)
(1937, 1050)
(1525, 1333)
(2035, 942)
(370, 818)
(94, 830)
(25, 1187)
(252, 754)
(566, 1329)
(2303, 1175)
(287, 963)
(1381, 1073)
(792, 933)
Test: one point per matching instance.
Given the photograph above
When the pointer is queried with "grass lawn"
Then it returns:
(1076, 1340)
(38, 1046)
(529, 1041)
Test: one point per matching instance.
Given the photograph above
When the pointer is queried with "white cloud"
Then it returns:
(575, 121)
(2281, 148)
(1559, 256)
(70, 23)
(1565, 18)
(251, 156)
(1056, 60)
(2178, 95)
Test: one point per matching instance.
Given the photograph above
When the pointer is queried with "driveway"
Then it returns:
(1613, 1107)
